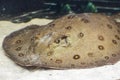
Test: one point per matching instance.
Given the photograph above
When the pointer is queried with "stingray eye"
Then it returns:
(75, 41)
(64, 37)
(57, 41)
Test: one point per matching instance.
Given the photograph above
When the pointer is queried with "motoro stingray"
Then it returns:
(73, 41)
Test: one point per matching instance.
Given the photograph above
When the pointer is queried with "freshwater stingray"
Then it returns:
(73, 41)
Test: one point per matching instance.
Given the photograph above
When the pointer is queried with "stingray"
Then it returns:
(73, 41)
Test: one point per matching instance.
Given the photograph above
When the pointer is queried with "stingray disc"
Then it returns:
(73, 41)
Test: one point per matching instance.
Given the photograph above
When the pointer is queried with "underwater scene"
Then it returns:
(60, 39)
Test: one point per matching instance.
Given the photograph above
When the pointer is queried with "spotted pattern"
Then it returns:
(71, 16)
(117, 37)
(18, 49)
(51, 59)
(101, 38)
(114, 41)
(80, 35)
(76, 56)
(114, 55)
(20, 54)
(58, 61)
(106, 57)
(18, 41)
(100, 47)
(85, 20)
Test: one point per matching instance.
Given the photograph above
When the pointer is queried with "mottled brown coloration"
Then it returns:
(50, 53)
(73, 41)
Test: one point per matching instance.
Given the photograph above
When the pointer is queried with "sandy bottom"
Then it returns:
(10, 71)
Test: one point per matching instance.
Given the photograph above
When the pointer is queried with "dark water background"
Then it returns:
(14, 8)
